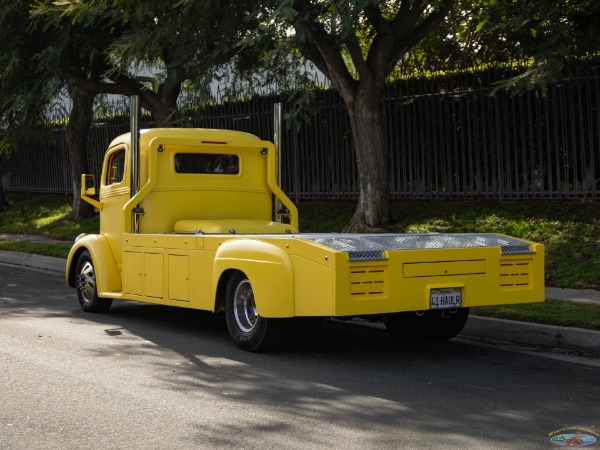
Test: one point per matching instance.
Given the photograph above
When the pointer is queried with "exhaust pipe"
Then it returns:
(134, 168)
(135, 145)
(277, 120)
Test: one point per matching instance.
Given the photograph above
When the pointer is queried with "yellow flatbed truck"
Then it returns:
(195, 218)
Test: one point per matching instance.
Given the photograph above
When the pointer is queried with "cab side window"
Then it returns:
(116, 168)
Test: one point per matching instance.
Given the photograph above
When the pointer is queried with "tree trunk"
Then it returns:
(76, 132)
(164, 115)
(163, 104)
(373, 209)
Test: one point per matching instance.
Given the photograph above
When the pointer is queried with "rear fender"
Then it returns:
(269, 270)
(105, 266)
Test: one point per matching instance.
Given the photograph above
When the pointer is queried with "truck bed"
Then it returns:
(371, 247)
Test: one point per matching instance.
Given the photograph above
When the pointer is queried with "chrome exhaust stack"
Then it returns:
(134, 171)
(277, 121)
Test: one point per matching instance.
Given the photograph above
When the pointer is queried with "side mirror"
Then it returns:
(88, 185)
(88, 191)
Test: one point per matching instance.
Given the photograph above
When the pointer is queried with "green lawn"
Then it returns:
(60, 251)
(43, 214)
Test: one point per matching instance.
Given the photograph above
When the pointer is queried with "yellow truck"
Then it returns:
(195, 218)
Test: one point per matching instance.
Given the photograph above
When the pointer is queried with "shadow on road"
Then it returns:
(358, 377)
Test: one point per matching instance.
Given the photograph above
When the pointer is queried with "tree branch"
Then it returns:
(406, 17)
(356, 55)
(388, 33)
(101, 87)
(373, 14)
(121, 85)
(322, 50)
(420, 31)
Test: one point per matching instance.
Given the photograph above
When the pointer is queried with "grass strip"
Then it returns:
(550, 312)
(38, 248)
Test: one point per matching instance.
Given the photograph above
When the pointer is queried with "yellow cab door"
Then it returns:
(114, 193)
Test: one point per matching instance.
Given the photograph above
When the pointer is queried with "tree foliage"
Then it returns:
(26, 87)
(546, 35)
(24, 94)
(88, 47)
(172, 43)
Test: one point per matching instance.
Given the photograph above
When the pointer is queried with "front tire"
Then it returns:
(247, 328)
(85, 283)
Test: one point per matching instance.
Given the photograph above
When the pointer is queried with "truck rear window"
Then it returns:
(207, 163)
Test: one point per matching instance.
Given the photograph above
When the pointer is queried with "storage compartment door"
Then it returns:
(153, 275)
(132, 272)
(179, 281)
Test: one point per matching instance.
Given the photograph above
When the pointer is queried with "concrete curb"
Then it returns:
(49, 263)
(525, 333)
(550, 336)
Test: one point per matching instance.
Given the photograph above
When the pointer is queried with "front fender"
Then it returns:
(269, 270)
(105, 266)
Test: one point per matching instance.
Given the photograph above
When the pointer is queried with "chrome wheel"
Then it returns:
(86, 286)
(86, 282)
(244, 308)
(249, 330)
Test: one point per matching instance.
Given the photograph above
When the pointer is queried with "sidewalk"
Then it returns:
(32, 238)
(525, 333)
(574, 295)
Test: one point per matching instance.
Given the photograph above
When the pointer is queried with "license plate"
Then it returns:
(445, 298)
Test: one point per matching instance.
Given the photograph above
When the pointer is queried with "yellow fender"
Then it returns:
(269, 270)
(105, 266)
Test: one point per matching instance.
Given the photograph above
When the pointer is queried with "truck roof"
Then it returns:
(201, 134)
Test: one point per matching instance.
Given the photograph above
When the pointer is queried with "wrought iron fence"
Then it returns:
(447, 138)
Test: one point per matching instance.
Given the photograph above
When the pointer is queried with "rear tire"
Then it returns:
(427, 325)
(412, 326)
(85, 283)
(247, 328)
(452, 326)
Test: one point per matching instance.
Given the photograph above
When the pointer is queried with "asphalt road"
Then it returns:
(150, 377)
